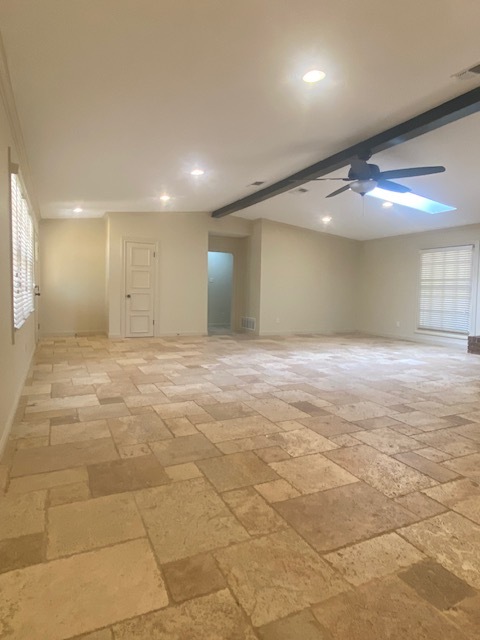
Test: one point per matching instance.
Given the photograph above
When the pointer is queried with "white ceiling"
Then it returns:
(455, 146)
(120, 99)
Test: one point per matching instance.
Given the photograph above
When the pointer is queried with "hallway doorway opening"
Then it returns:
(220, 285)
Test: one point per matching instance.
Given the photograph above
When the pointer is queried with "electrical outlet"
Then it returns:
(277, 320)
(397, 323)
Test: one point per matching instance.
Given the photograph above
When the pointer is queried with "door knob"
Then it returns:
(128, 295)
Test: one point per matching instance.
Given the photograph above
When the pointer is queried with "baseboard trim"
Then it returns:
(454, 343)
(18, 395)
(188, 334)
(316, 332)
(117, 336)
(90, 334)
(74, 334)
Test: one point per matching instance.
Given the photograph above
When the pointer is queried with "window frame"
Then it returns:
(473, 297)
(24, 225)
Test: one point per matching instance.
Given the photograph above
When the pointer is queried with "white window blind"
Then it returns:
(22, 255)
(446, 289)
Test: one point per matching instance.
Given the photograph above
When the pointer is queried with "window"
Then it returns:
(22, 254)
(446, 289)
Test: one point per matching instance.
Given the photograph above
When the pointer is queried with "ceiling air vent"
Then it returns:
(300, 190)
(468, 74)
(257, 183)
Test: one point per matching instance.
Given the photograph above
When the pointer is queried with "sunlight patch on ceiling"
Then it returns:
(411, 200)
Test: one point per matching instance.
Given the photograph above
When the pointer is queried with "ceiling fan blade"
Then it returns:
(392, 186)
(411, 173)
(315, 179)
(341, 190)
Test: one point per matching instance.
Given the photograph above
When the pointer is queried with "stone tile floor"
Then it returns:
(230, 488)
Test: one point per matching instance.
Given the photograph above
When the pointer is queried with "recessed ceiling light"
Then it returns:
(387, 205)
(78, 210)
(197, 172)
(315, 75)
(326, 219)
(164, 198)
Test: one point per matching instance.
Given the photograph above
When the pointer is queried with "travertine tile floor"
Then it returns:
(226, 488)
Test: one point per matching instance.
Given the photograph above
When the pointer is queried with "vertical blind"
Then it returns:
(446, 289)
(22, 255)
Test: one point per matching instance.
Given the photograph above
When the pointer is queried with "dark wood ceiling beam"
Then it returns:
(446, 113)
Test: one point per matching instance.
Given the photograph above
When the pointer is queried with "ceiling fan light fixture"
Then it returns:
(197, 172)
(165, 198)
(314, 75)
(326, 219)
(78, 210)
(387, 204)
(363, 186)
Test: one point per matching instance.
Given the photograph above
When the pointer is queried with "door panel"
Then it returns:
(141, 256)
(141, 280)
(139, 289)
(139, 325)
(140, 302)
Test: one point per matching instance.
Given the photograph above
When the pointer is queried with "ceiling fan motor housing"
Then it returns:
(361, 170)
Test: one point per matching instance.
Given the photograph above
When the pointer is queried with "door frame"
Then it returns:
(123, 290)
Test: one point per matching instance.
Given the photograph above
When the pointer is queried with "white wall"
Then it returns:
(182, 278)
(389, 271)
(15, 350)
(254, 266)
(73, 276)
(308, 281)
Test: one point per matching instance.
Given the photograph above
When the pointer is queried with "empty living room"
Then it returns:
(240, 320)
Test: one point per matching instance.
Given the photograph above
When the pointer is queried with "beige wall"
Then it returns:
(15, 351)
(389, 271)
(182, 281)
(73, 277)
(308, 280)
(238, 248)
(254, 266)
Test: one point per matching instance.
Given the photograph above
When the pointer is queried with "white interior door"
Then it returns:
(139, 289)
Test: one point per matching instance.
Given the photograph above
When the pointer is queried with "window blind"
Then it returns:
(446, 289)
(22, 255)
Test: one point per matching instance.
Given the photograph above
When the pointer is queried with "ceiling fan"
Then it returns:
(364, 177)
